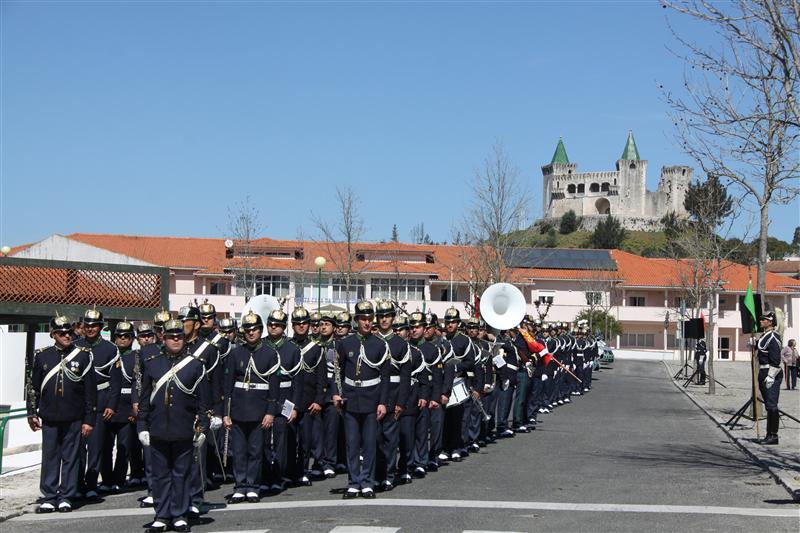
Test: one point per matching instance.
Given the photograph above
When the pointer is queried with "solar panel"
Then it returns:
(568, 258)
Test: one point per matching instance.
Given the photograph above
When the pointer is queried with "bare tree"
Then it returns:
(737, 114)
(598, 286)
(243, 228)
(340, 238)
(702, 276)
(418, 234)
(498, 201)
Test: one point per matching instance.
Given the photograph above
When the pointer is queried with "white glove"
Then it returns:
(529, 365)
(144, 438)
(199, 439)
(216, 423)
(544, 377)
(772, 373)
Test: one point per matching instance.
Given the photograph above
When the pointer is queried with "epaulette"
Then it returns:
(150, 358)
(38, 350)
(84, 349)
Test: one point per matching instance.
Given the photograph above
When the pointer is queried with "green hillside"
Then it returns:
(644, 243)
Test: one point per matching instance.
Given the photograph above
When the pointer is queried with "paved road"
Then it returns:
(633, 455)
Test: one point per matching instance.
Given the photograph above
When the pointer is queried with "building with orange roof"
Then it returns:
(644, 294)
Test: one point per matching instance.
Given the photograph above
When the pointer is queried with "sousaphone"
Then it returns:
(502, 306)
(262, 305)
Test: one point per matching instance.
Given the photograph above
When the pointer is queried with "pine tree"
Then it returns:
(395, 237)
(569, 223)
(608, 234)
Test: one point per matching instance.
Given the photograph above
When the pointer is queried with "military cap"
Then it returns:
(769, 315)
(252, 321)
(364, 308)
(385, 308)
(189, 312)
(161, 317)
(144, 328)
(124, 328)
(277, 317)
(473, 322)
(553, 326)
(452, 315)
(60, 323)
(300, 315)
(416, 319)
(226, 325)
(432, 320)
(400, 323)
(327, 317)
(206, 310)
(315, 317)
(537, 322)
(92, 317)
(343, 320)
(173, 326)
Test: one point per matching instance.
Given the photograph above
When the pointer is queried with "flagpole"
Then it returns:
(750, 305)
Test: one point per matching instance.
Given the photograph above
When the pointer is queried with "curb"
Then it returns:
(776, 471)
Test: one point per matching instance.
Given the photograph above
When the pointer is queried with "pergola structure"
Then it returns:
(33, 290)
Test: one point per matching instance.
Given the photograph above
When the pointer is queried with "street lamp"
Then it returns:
(320, 262)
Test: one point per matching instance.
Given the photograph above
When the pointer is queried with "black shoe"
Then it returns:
(182, 527)
(770, 440)
(350, 494)
(368, 494)
(386, 486)
(156, 529)
(304, 482)
(433, 467)
(194, 512)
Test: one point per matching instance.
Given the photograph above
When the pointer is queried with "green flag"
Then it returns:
(750, 304)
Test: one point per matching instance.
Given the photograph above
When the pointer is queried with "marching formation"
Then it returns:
(386, 399)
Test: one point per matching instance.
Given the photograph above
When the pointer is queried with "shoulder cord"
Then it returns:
(406, 358)
(72, 376)
(181, 386)
(101, 369)
(422, 366)
(362, 355)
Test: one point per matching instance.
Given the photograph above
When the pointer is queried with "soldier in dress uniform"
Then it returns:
(507, 366)
(208, 331)
(329, 432)
(105, 356)
(121, 429)
(536, 396)
(580, 347)
(289, 396)
(396, 400)
(363, 363)
(412, 422)
(700, 351)
(490, 391)
(553, 370)
(313, 331)
(145, 335)
(227, 326)
(462, 359)
(770, 373)
(400, 327)
(344, 324)
(207, 353)
(524, 376)
(419, 325)
(442, 382)
(172, 420)
(62, 400)
(251, 385)
(150, 342)
(312, 378)
(471, 424)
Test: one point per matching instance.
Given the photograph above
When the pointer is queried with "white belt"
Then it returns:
(512, 367)
(330, 375)
(103, 386)
(764, 366)
(394, 379)
(254, 386)
(470, 374)
(362, 383)
(125, 390)
(579, 354)
(286, 384)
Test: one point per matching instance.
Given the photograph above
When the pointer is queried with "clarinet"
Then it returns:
(225, 443)
(337, 374)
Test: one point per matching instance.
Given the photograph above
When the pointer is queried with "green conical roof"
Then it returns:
(560, 156)
(631, 153)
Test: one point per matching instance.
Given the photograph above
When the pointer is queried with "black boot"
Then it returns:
(772, 428)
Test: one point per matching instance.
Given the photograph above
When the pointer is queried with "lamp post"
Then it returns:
(320, 262)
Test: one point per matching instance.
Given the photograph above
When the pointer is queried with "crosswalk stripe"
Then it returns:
(364, 529)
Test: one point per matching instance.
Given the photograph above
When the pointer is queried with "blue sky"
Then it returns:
(153, 117)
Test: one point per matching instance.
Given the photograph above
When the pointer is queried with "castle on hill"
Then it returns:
(621, 192)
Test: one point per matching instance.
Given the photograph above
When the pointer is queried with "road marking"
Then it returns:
(243, 531)
(364, 529)
(463, 504)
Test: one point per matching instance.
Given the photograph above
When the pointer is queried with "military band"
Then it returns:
(203, 400)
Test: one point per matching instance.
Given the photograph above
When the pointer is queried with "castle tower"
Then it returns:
(554, 174)
(632, 176)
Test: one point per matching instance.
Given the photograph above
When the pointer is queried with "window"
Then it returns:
(341, 294)
(218, 287)
(638, 340)
(571, 188)
(16, 328)
(277, 286)
(444, 296)
(594, 298)
(581, 188)
(636, 301)
(605, 187)
(399, 289)
(310, 289)
(594, 187)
